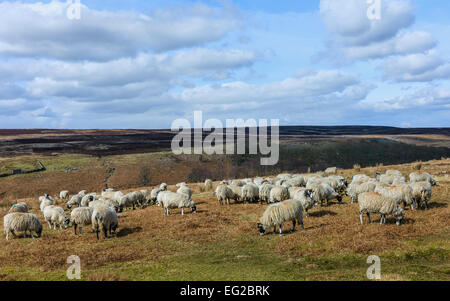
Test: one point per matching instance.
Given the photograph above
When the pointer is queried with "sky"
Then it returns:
(143, 64)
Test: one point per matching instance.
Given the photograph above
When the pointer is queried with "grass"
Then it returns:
(222, 243)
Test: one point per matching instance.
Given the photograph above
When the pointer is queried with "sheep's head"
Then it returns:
(39, 231)
(398, 213)
(261, 229)
(339, 198)
(194, 209)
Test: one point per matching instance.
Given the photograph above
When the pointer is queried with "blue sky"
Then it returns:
(143, 64)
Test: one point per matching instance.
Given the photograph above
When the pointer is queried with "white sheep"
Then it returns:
(373, 202)
(421, 193)
(250, 193)
(104, 218)
(82, 192)
(113, 204)
(55, 215)
(400, 194)
(208, 184)
(85, 200)
(19, 221)
(154, 194)
(64, 195)
(264, 192)
(128, 201)
(75, 201)
(239, 183)
(324, 192)
(80, 217)
(45, 202)
(306, 198)
(278, 213)
(419, 177)
(356, 188)
(169, 200)
(331, 170)
(185, 189)
(224, 194)
(393, 172)
(163, 186)
(278, 194)
(19, 207)
(360, 178)
(237, 192)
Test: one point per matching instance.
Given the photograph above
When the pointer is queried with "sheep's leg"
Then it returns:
(381, 219)
(49, 225)
(110, 231)
(361, 218)
(426, 204)
(280, 226)
(25, 234)
(80, 230)
(368, 216)
(7, 234)
(306, 212)
(182, 211)
(293, 225)
(75, 228)
(275, 229)
(96, 231)
(31, 233)
(300, 221)
(352, 200)
(54, 226)
(105, 232)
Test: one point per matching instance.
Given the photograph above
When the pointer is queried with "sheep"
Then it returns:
(170, 200)
(19, 207)
(74, 201)
(127, 201)
(181, 184)
(208, 184)
(224, 193)
(264, 192)
(185, 189)
(237, 192)
(83, 192)
(419, 177)
(278, 194)
(393, 172)
(399, 181)
(277, 214)
(145, 196)
(104, 218)
(387, 179)
(154, 194)
(360, 178)
(373, 202)
(44, 203)
(55, 215)
(259, 181)
(306, 197)
(107, 190)
(88, 198)
(81, 217)
(400, 194)
(250, 193)
(324, 192)
(421, 193)
(297, 180)
(19, 221)
(64, 195)
(113, 195)
(356, 188)
(239, 183)
(331, 170)
(163, 186)
(114, 204)
(46, 197)
(338, 183)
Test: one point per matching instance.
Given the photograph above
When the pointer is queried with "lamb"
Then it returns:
(331, 170)
(250, 193)
(324, 192)
(277, 214)
(208, 184)
(81, 217)
(400, 194)
(419, 177)
(306, 198)
(104, 218)
(224, 193)
(421, 193)
(170, 200)
(55, 215)
(19, 221)
(278, 194)
(264, 192)
(373, 202)
(356, 188)
(64, 195)
(19, 207)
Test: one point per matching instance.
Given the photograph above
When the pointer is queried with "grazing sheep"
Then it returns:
(331, 170)
(181, 184)
(306, 198)
(250, 193)
(421, 193)
(239, 183)
(393, 172)
(46, 197)
(278, 194)
(420, 177)
(19, 207)
(224, 193)
(386, 179)
(64, 195)
(145, 197)
(113, 204)
(88, 198)
(19, 221)
(338, 183)
(324, 192)
(259, 181)
(128, 201)
(264, 192)
(163, 186)
(170, 200)
(360, 178)
(55, 215)
(400, 194)
(208, 184)
(296, 181)
(277, 214)
(104, 218)
(237, 192)
(81, 217)
(154, 194)
(82, 192)
(74, 201)
(356, 188)
(373, 202)
(399, 181)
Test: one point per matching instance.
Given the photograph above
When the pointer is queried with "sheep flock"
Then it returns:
(286, 196)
